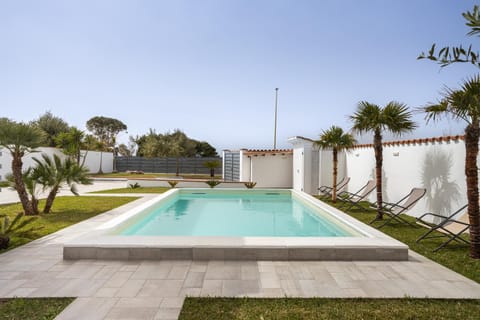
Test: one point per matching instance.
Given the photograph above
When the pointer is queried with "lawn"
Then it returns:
(65, 212)
(454, 256)
(32, 309)
(136, 190)
(320, 308)
(154, 175)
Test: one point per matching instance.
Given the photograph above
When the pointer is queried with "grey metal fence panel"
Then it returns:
(232, 166)
(166, 165)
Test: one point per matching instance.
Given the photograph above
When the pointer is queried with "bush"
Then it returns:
(250, 185)
(172, 183)
(134, 186)
(213, 183)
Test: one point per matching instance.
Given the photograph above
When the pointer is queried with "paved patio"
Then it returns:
(156, 289)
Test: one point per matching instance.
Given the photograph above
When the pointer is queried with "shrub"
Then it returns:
(213, 183)
(250, 185)
(134, 186)
(172, 183)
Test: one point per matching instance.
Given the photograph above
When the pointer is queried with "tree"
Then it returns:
(52, 173)
(176, 150)
(31, 185)
(337, 140)
(212, 165)
(204, 149)
(449, 55)
(464, 104)
(71, 143)
(52, 126)
(106, 130)
(155, 144)
(394, 117)
(20, 139)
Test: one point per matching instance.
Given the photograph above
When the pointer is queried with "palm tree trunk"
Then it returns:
(177, 171)
(20, 186)
(50, 199)
(334, 183)
(377, 145)
(472, 133)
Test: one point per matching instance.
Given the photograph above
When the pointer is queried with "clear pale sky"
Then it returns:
(210, 68)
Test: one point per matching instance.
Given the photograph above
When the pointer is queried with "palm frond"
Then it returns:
(463, 103)
(366, 117)
(335, 138)
(397, 119)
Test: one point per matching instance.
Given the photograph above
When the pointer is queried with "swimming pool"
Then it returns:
(226, 224)
(236, 214)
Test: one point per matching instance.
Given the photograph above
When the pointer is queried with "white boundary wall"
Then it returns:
(92, 161)
(438, 167)
(436, 164)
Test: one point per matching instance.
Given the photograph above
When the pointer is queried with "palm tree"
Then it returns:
(337, 140)
(464, 104)
(53, 173)
(369, 117)
(71, 142)
(20, 139)
(31, 186)
(212, 165)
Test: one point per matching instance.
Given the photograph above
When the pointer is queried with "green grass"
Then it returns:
(154, 175)
(453, 256)
(320, 308)
(65, 212)
(136, 190)
(32, 309)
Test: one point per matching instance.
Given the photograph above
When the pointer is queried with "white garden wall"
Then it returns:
(437, 165)
(92, 162)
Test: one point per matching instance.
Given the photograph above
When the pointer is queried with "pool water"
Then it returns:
(241, 214)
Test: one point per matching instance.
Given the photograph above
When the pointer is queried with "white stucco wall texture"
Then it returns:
(92, 161)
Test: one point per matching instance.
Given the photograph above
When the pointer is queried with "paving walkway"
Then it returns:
(156, 289)
(8, 195)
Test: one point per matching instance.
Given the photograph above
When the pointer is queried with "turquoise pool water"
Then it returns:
(241, 214)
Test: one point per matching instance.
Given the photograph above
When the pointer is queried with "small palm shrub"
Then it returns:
(134, 185)
(172, 183)
(7, 227)
(212, 183)
(250, 185)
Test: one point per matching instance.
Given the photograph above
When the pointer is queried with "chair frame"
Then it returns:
(353, 199)
(447, 220)
(388, 208)
(327, 191)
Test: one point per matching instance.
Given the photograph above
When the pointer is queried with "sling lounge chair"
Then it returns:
(394, 210)
(327, 191)
(353, 199)
(450, 227)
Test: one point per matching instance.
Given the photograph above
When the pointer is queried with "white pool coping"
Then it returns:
(101, 244)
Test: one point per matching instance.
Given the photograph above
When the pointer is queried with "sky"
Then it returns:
(210, 67)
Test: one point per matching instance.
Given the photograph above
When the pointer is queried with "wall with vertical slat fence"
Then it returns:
(166, 165)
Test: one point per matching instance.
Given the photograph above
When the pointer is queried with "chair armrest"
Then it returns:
(420, 218)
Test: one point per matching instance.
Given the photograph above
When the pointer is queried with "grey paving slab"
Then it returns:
(156, 289)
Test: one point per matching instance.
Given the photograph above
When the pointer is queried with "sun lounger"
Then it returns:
(451, 227)
(353, 199)
(327, 191)
(393, 211)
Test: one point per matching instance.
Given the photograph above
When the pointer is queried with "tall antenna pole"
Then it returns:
(275, 128)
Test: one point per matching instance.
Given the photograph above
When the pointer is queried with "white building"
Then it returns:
(268, 168)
